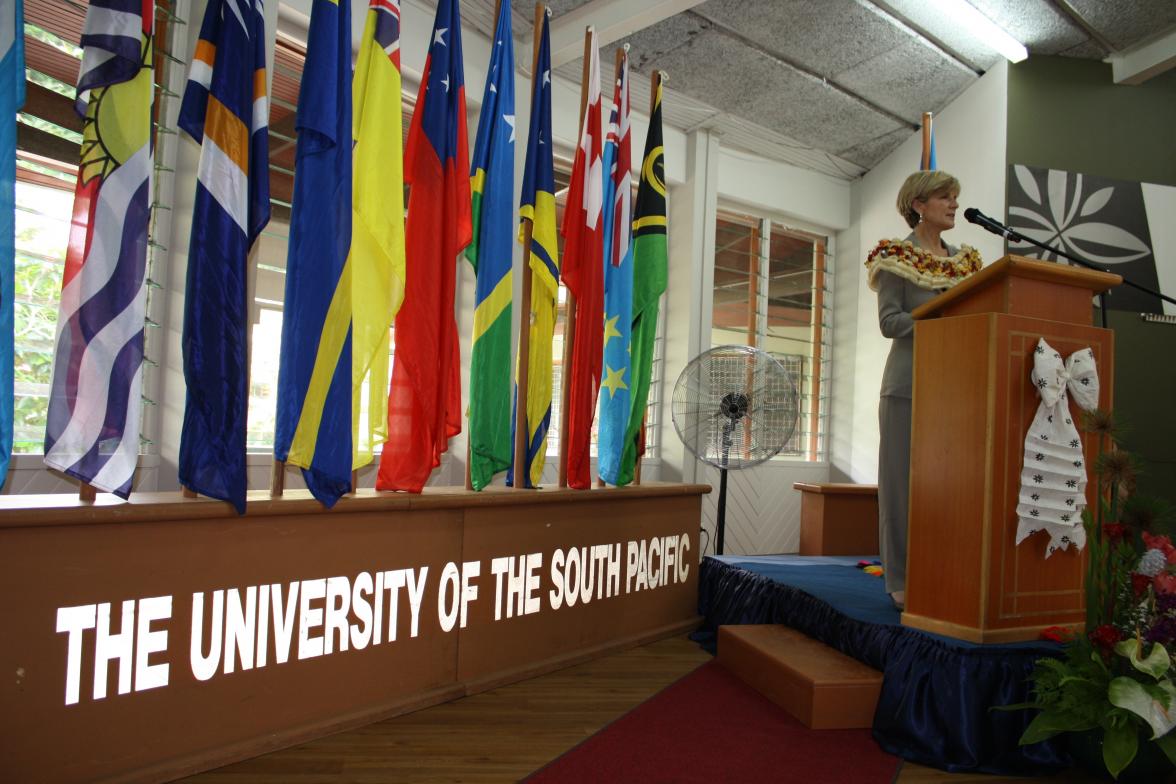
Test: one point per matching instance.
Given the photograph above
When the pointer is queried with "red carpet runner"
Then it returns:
(711, 727)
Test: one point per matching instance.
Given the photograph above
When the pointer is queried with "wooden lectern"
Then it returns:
(972, 404)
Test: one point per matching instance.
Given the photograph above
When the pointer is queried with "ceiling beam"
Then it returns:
(613, 20)
(1071, 13)
(1137, 64)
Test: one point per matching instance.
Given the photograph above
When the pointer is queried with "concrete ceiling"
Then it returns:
(827, 85)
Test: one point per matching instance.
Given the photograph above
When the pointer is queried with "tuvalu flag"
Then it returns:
(584, 277)
(226, 111)
(615, 386)
(313, 426)
(377, 231)
(492, 184)
(650, 271)
(424, 402)
(95, 403)
(537, 204)
(12, 97)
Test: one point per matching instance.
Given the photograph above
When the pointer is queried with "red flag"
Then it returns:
(583, 273)
(424, 402)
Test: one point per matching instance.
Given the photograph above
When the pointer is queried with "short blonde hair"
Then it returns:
(921, 186)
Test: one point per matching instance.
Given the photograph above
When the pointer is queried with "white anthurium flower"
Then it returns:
(1061, 220)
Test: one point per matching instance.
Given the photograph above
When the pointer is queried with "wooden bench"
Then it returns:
(822, 687)
(838, 518)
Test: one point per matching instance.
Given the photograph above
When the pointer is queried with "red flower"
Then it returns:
(1161, 543)
(1164, 583)
(1105, 637)
(1139, 584)
(1057, 633)
(1115, 532)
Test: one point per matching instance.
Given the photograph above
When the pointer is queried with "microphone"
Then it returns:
(973, 215)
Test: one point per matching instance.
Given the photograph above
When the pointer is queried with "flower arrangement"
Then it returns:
(921, 266)
(1117, 682)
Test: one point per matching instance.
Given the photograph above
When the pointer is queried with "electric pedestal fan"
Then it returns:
(734, 407)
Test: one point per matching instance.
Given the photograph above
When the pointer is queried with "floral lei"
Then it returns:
(921, 267)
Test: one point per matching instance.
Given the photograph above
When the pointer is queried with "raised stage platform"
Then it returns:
(934, 708)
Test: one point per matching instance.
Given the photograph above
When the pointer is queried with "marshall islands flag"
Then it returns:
(225, 110)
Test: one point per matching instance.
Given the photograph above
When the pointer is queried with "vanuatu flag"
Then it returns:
(650, 264)
(492, 183)
(424, 402)
(313, 427)
(537, 204)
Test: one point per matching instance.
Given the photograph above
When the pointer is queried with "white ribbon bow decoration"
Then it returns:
(1053, 475)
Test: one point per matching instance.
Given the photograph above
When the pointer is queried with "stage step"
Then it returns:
(822, 687)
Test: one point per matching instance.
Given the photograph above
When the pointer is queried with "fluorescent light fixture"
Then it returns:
(967, 17)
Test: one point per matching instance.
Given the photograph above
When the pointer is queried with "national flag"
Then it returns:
(12, 97)
(225, 109)
(615, 387)
(583, 274)
(313, 426)
(424, 402)
(650, 272)
(537, 205)
(492, 186)
(377, 234)
(95, 403)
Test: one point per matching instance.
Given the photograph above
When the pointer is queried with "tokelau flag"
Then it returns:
(492, 187)
(616, 383)
(313, 426)
(650, 264)
(537, 204)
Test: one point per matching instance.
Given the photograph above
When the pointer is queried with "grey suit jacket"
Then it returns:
(897, 297)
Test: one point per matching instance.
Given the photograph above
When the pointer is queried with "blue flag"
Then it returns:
(313, 427)
(492, 196)
(12, 95)
(225, 109)
(617, 375)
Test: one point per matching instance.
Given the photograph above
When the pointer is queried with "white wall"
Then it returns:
(970, 141)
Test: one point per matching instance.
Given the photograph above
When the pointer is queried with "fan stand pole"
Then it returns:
(721, 526)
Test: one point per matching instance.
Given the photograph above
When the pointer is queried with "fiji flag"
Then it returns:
(226, 111)
(615, 386)
(313, 427)
(377, 231)
(92, 432)
(12, 95)
(424, 403)
(537, 205)
(492, 183)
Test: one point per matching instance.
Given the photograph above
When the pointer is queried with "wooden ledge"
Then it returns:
(835, 488)
(24, 511)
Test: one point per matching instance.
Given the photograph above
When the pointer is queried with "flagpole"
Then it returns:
(926, 159)
(654, 79)
(570, 320)
(522, 426)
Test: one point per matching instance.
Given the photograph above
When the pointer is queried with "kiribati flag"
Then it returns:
(225, 109)
(616, 385)
(313, 427)
(537, 205)
(424, 403)
(95, 405)
(12, 96)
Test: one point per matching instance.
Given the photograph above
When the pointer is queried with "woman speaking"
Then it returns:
(906, 273)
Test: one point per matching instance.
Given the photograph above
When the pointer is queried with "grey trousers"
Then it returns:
(894, 476)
